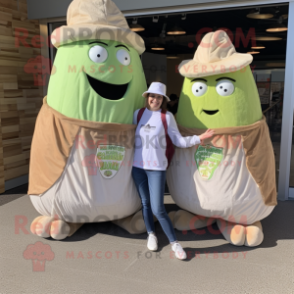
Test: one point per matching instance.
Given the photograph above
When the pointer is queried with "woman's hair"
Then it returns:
(163, 104)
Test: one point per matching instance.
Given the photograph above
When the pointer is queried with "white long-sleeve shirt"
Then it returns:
(150, 140)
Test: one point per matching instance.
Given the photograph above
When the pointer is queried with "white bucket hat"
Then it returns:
(215, 55)
(156, 88)
(96, 19)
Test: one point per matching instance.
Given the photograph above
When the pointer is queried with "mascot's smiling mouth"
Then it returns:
(108, 91)
(210, 112)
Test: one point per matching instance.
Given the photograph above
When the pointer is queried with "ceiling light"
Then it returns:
(255, 14)
(275, 64)
(176, 30)
(157, 47)
(266, 38)
(277, 28)
(136, 28)
(172, 56)
(258, 47)
(253, 52)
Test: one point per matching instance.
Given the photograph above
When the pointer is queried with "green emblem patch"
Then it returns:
(110, 158)
(208, 159)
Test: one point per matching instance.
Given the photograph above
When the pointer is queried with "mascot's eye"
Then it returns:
(123, 57)
(98, 54)
(199, 89)
(225, 88)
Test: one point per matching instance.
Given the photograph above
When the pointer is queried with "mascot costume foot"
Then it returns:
(231, 177)
(82, 148)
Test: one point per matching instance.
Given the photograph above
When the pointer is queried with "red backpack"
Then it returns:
(170, 150)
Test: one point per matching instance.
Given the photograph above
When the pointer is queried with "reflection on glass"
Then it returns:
(270, 86)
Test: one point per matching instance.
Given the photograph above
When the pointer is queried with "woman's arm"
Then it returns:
(185, 142)
(175, 135)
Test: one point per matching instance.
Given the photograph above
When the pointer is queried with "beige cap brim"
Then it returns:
(145, 95)
(73, 33)
(193, 69)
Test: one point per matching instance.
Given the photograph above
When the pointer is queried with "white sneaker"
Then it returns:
(152, 242)
(179, 251)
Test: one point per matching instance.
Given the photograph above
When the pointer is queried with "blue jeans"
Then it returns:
(150, 185)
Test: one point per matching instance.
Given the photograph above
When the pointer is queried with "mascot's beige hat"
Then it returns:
(96, 19)
(215, 55)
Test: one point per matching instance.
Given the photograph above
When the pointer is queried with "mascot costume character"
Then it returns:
(231, 177)
(82, 148)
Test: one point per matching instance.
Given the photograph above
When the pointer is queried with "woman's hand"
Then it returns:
(208, 134)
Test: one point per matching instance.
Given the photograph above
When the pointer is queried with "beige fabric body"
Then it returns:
(66, 178)
(242, 188)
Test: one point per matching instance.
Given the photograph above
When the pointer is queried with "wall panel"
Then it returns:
(20, 94)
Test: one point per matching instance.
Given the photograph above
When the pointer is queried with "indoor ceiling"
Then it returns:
(235, 21)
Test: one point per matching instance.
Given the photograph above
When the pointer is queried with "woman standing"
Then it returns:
(150, 161)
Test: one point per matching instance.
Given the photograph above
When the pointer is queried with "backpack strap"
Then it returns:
(163, 119)
(170, 150)
(140, 113)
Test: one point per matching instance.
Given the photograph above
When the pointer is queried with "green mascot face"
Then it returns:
(218, 101)
(100, 81)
